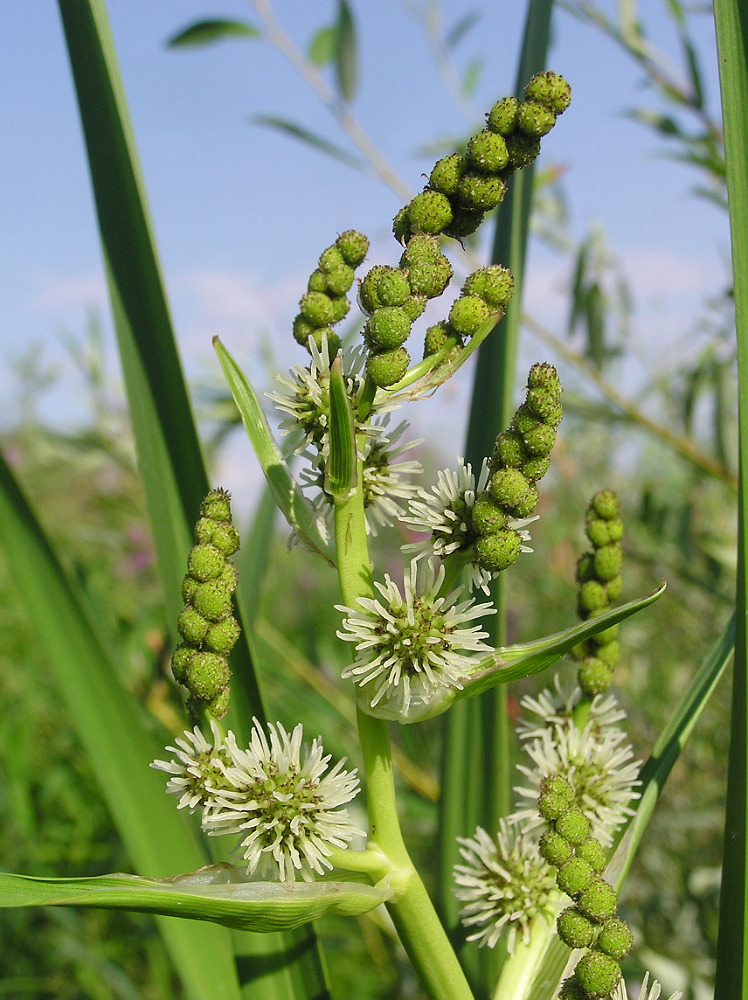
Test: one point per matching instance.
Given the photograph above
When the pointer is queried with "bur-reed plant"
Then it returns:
(543, 879)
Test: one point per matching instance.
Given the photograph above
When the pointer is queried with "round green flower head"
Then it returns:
(353, 247)
(598, 974)
(549, 89)
(429, 212)
(446, 174)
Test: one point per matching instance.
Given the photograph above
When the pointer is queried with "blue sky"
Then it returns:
(241, 213)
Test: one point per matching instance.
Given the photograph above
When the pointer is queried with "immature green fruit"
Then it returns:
(597, 531)
(573, 825)
(446, 174)
(540, 440)
(503, 115)
(204, 530)
(189, 586)
(523, 150)
(488, 517)
(498, 550)
(229, 578)
(436, 338)
(392, 287)
(576, 930)
(550, 89)
(486, 153)
(414, 306)
(401, 226)
(429, 277)
(330, 259)
(592, 851)
(480, 192)
(495, 284)
(555, 849)
(524, 420)
(544, 376)
(535, 118)
(340, 307)
(205, 562)
(353, 247)
(429, 212)
(222, 636)
(527, 504)
(191, 625)
(509, 450)
(387, 328)
(615, 529)
(316, 307)
(595, 676)
(585, 568)
(605, 503)
(543, 403)
(302, 330)
(592, 596)
(212, 601)
(317, 281)
(339, 280)
(615, 938)
(207, 674)
(421, 247)
(468, 314)
(571, 989)
(180, 661)
(219, 705)
(598, 901)
(575, 877)
(598, 974)
(464, 222)
(607, 635)
(387, 367)
(535, 468)
(216, 506)
(226, 538)
(608, 562)
(368, 294)
(556, 796)
(609, 652)
(509, 488)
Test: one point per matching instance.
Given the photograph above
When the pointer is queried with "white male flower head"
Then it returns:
(198, 773)
(505, 885)
(285, 802)
(646, 992)
(414, 644)
(446, 514)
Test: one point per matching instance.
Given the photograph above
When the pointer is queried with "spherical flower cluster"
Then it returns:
(599, 579)
(462, 188)
(206, 622)
(484, 295)
(504, 884)
(276, 793)
(411, 645)
(325, 301)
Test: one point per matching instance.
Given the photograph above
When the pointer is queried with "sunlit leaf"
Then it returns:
(212, 30)
(311, 139)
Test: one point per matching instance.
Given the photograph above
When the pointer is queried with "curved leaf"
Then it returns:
(212, 30)
(312, 139)
(346, 64)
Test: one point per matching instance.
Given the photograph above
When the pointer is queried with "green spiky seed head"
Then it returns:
(615, 938)
(596, 530)
(330, 259)
(353, 247)
(189, 586)
(226, 538)
(414, 306)
(205, 562)
(598, 974)
(222, 636)
(525, 506)
(387, 367)
(421, 248)
(524, 420)
(212, 601)
(339, 280)
(447, 173)
(609, 652)
(340, 308)
(599, 900)
(486, 153)
(480, 192)
(535, 468)
(216, 506)
(608, 562)
(368, 294)
(615, 529)
(429, 278)
(573, 825)
(487, 516)
(576, 930)
(509, 450)
(207, 674)
(334, 342)
(317, 281)
(585, 568)
(495, 284)
(605, 504)
(503, 115)
(523, 149)
(468, 314)
(429, 212)
(535, 118)
(592, 596)
(543, 403)
(549, 89)
(204, 530)
(436, 338)
(574, 877)
(571, 989)
(555, 849)
(219, 705)
(302, 330)
(556, 796)
(540, 440)
(401, 226)
(544, 376)
(180, 661)
(497, 551)
(229, 578)
(595, 676)
(509, 488)
(464, 222)
(191, 625)
(387, 328)
(316, 308)
(392, 287)
(592, 851)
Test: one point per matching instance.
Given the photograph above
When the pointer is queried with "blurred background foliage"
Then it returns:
(668, 451)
